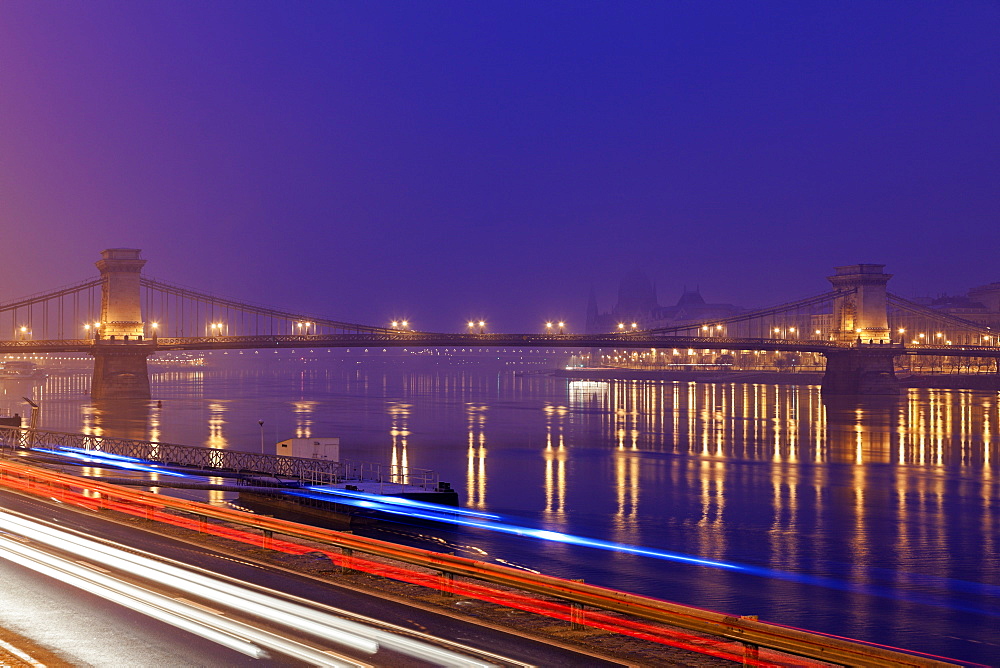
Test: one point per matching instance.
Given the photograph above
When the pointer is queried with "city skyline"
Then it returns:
(438, 162)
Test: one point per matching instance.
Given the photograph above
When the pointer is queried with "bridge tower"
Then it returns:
(120, 349)
(862, 312)
(864, 365)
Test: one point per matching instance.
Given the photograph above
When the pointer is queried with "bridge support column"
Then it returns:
(121, 296)
(861, 313)
(860, 371)
(120, 371)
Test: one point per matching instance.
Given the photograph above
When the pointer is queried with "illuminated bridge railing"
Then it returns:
(431, 340)
(303, 470)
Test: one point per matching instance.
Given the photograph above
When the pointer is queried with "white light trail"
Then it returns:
(192, 583)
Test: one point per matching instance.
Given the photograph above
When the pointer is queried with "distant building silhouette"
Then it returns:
(981, 305)
(637, 303)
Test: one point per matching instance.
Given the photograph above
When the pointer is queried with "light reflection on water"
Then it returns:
(900, 495)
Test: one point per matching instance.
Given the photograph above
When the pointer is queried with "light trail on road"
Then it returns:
(195, 618)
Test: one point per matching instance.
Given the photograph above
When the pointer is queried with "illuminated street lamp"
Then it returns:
(482, 326)
(25, 334)
(562, 327)
(621, 326)
(635, 326)
(155, 326)
(405, 324)
(548, 328)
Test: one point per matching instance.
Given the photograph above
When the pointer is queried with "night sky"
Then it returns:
(441, 160)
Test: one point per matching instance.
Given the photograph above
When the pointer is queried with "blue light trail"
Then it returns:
(94, 458)
(479, 520)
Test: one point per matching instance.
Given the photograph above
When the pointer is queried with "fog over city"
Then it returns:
(445, 161)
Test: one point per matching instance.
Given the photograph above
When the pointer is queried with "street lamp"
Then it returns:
(261, 423)
(154, 326)
(621, 326)
(482, 326)
(635, 326)
(562, 327)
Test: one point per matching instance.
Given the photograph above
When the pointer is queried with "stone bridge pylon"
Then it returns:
(864, 365)
(120, 347)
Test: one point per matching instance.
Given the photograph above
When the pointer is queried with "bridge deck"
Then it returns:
(409, 339)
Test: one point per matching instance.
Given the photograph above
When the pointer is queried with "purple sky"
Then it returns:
(440, 160)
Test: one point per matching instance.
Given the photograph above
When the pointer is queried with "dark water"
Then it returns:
(879, 522)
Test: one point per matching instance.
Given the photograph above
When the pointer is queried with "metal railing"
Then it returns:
(304, 470)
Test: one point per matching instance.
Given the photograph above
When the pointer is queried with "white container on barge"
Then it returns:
(310, 448)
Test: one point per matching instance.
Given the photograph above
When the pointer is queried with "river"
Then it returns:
(877, 521)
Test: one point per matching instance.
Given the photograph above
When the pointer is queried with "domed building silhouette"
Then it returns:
(638, 303)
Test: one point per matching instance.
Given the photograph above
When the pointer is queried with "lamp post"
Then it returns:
(261, 423)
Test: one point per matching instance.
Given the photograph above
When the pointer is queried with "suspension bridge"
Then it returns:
(121, 317)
